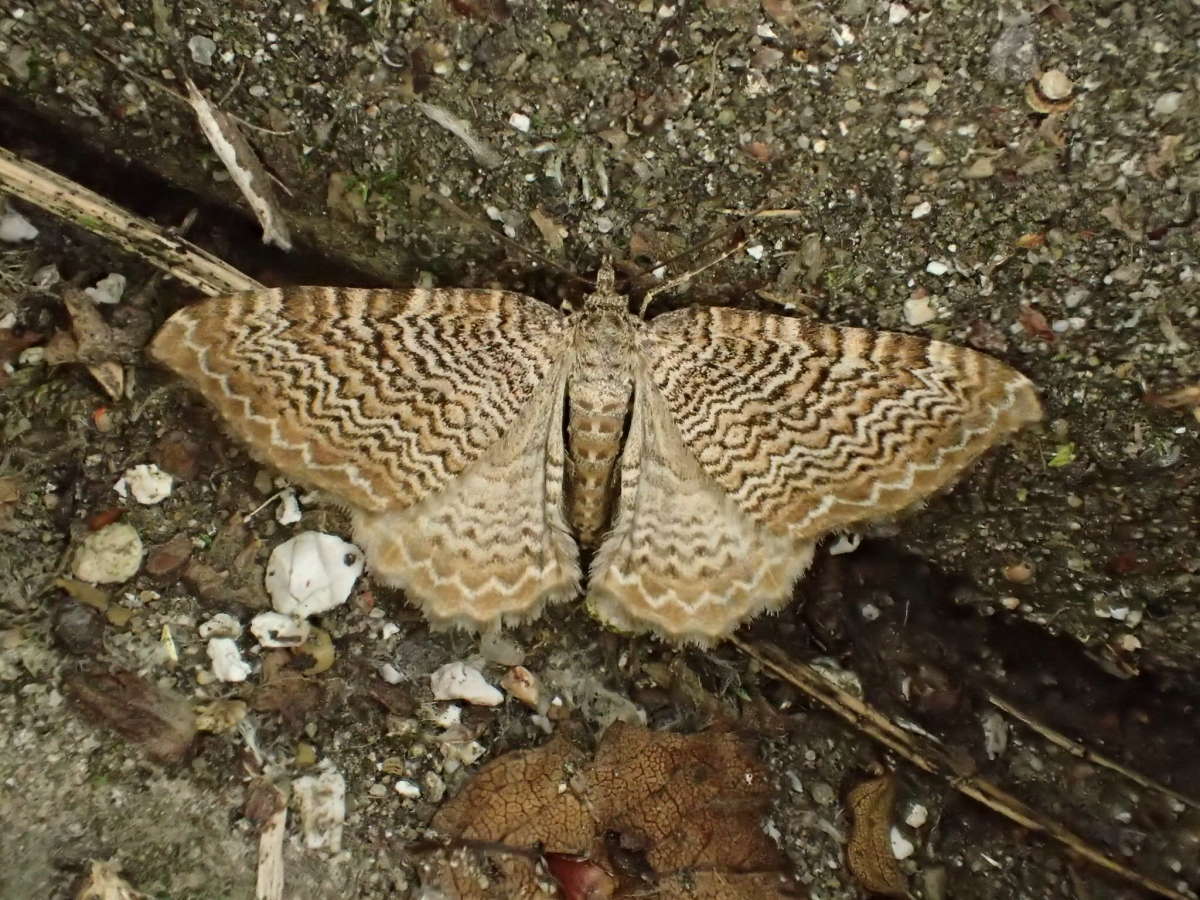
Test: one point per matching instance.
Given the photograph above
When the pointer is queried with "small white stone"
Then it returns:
(755, 251)
(902, 847)
(922, 209)
(447, 716)
(869, 612)
(147, 483)
(519, 682)
(109, 556)
(227, 662)
(288, 510)
(917, 816)
(520, 122)
(389, 630)
(458, 681)
(897, 13)
(390, 674)
(221, 625)
(273, 629)
(937, 267)
(202, 49)
(1055, 85)
(312, 573)
(1129, 643)
(1168, 103)
(15, 228)
(107, 290)
(918, 311)
(408, 789)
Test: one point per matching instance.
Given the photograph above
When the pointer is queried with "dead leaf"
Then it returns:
(161, 721)
(677, 812)
(869, 849)
(1177, 399)
(1034, 321)
(552, 232)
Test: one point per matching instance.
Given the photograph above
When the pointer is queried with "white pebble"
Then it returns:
(902, 847)
(755, 251)
(389, 630)
(1168, 103)
(917, 816)
(1129, 643)
(995, 734)
(109, 556)
(408, 789)
(458, 681)
(312, 573)
(107, 290)
(202, 49)
(14, 228)
(147, 483)
(221, 625)
(227, 662)
(918, 311)
(922, 209)
(1055, 85)
(272, 629)
(390, 674)
(520, 122)
(897, 13)
(937, 267)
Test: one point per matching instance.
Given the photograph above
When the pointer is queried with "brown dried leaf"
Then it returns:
(869, 850)
(104, 882)
(679, 811)
(552, 232)
(140, 711)
(1182, 398)
(1034, 321)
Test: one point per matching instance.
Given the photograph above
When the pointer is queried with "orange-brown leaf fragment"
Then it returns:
(677, 816)
(869, 850)
(161, 721)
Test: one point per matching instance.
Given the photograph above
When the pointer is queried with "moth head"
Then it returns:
(605, 297)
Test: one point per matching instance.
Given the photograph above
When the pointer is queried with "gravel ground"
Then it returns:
(1017, 178)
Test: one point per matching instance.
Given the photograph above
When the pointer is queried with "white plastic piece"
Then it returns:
(227, 662)
(312, 573)
(109, 556)
(458, 681)
(272, 629)
(322, 801)
(147, 483)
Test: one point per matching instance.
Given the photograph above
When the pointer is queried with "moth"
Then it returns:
(480, 439)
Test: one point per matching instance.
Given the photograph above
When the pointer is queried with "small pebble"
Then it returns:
(822, 793)
(202, 49)
(902, 847)
(1055, 85)
(519, 682)
(221, 625)
(919, 311)
(458, 681)
(109, 556)
(922, 209)
(108, 290)
(1168, 104)
(937, 267)
(897, 13)
(520, 122)
(408, 789)
(917, 816)
(312, 573)
(273, 629)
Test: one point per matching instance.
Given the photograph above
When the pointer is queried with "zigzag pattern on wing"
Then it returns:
(810, 427)
(681, 558)
(492, 546)
(379, 397)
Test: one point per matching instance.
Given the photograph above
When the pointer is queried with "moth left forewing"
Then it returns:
(810, 427)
